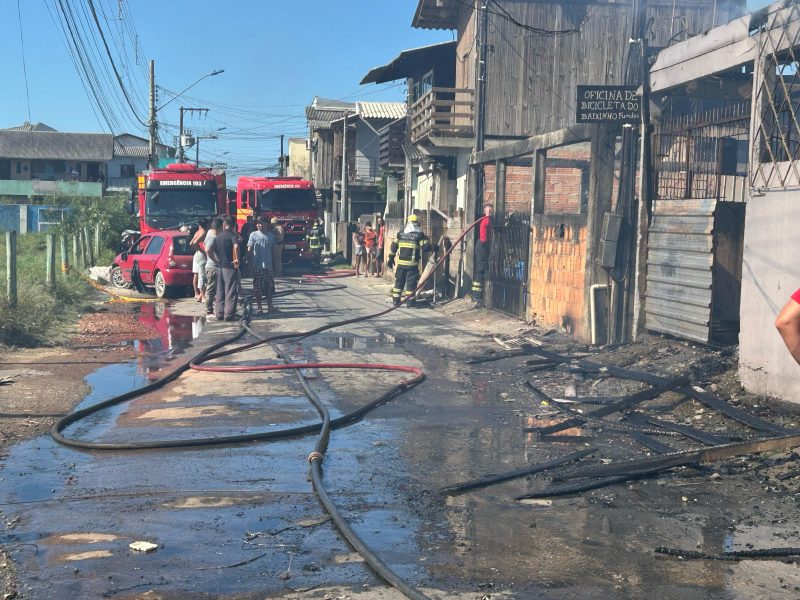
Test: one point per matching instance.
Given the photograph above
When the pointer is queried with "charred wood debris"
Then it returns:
(669, 408)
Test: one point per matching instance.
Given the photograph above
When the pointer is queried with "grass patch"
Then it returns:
(40, 310)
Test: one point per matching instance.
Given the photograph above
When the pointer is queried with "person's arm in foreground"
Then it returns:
(788, 325)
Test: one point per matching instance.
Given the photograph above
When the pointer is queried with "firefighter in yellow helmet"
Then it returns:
(406, 252)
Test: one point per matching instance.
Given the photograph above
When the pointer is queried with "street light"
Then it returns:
(212, 74)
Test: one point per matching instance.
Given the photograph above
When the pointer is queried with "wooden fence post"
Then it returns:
(76, 257)
(11, 268)
(82, 249)
(97, 240)
(51, 260)
(89, 253)
(64, 254)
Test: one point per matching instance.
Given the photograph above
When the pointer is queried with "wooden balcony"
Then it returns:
(443, 112)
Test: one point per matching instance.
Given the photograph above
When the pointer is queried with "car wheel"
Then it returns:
(116, 278)
(162, 289)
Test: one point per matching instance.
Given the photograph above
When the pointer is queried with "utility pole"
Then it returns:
(480, 93)
(181, 153)
(475, 173)
(282, 170)
(345, 211)
(180, 138)
(152, 159)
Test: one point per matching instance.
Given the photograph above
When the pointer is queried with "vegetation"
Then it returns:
(42, 312)
(110, 212)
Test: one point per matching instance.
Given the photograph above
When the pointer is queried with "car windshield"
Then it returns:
(181, 247)
(181, 203)
(287, 199)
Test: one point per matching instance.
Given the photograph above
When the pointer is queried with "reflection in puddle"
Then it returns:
(357, 342)
(175, 333)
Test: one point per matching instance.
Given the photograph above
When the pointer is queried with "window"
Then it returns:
(127, 170)
(181, 247)
(19, 167)
(423, 86)
(155, 246)
(138, 247)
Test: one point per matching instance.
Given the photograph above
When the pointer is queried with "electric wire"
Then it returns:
(24, 67)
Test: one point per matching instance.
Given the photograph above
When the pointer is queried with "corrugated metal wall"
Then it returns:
(680, 260)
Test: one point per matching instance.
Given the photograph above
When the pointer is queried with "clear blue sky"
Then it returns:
(277, 55)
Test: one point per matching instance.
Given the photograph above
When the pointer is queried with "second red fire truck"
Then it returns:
(291, 200)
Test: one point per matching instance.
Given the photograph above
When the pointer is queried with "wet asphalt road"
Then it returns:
(243, 521)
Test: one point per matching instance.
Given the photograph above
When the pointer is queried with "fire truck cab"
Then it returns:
(291, 200)
(177, 194)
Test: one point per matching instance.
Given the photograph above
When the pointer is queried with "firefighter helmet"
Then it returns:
(413, 219)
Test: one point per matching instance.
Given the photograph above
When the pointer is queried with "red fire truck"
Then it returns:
(178, 194)
(289, 199)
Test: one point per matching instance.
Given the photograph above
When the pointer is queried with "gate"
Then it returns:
(507, 276)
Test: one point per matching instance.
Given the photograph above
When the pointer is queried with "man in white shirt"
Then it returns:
(260, 247)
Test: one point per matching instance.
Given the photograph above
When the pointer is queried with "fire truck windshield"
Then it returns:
(181, 202)
(287, 200)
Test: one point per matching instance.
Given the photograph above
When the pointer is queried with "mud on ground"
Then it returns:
(46, 382)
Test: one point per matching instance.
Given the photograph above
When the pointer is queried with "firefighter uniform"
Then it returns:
(405, 254)
(315, 239)
(485, 234)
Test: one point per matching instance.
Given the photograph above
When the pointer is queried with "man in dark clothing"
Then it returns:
(248, 228)
(408, 247)
(482, 245)
(224, 251)
(315, 240)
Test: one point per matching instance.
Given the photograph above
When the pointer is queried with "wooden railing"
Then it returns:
(447, 112)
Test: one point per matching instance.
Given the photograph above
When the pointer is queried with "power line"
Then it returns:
(24, 67)
(83, 66)
(510, 18)
(72, 58)
(113, 65)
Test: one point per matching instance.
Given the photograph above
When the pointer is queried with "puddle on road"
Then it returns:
(359, 342)
(83, 509)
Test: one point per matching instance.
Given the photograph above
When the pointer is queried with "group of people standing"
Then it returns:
(222, 253)
(368, 247)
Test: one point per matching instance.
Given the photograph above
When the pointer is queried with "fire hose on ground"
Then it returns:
(200, 363)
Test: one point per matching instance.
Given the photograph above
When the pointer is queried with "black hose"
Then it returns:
(315, 458)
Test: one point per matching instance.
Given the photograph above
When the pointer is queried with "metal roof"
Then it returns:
(381, 110)
(413, 152)
(26, 126)
(323, 111)
(438, 14)
(56, 145)
(129, 145)
(409, 62)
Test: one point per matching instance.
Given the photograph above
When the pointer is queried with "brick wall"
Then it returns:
(565, 186)
(519, 187)
(556, 284)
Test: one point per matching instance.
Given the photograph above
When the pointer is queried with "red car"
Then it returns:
(164, 259)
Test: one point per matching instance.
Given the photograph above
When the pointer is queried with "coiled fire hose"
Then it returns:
(216, 351)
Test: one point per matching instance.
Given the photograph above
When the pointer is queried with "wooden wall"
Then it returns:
(532, 78)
